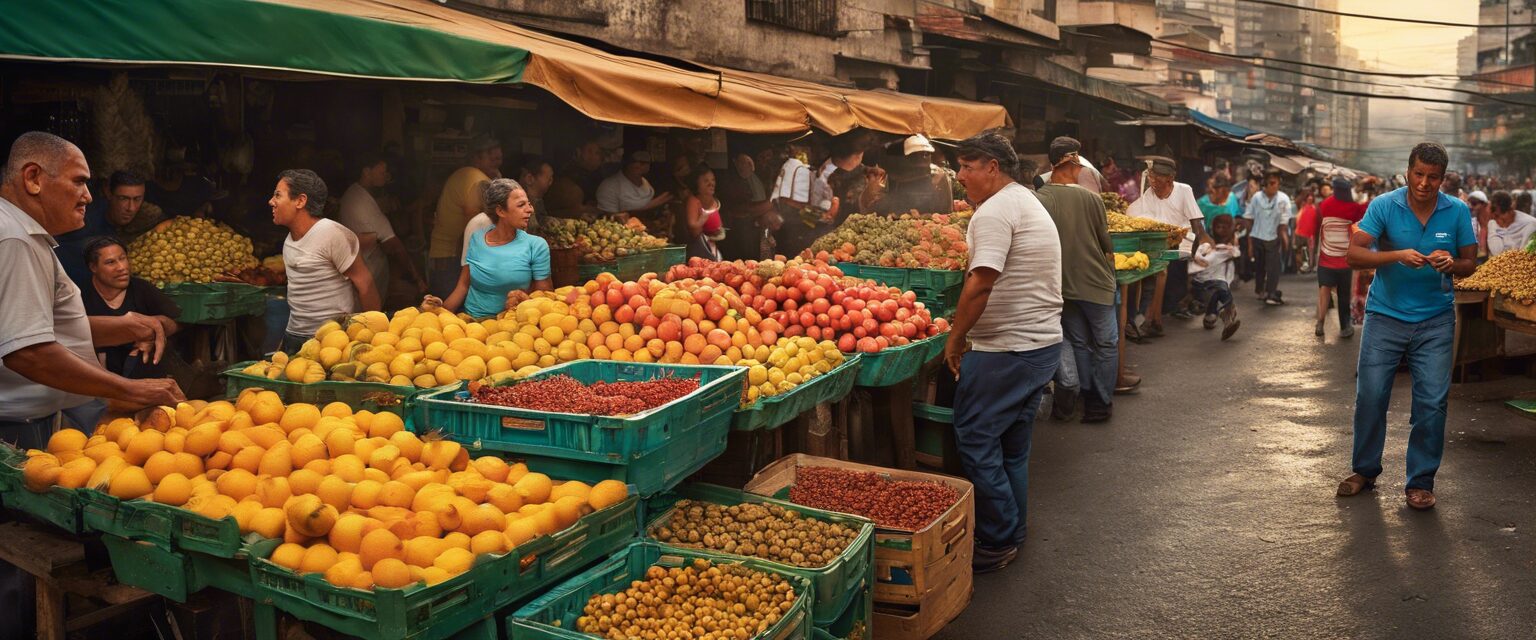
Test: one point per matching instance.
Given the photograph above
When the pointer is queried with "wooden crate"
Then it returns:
(1500, 303)
(937, 608)
(909, 565)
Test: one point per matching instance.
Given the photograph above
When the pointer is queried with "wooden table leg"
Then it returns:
(1155, 314)
(51, 620)
(1125, 302)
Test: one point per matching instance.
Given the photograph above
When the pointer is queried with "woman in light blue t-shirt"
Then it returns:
(504, 262)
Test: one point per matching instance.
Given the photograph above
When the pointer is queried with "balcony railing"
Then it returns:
(811, 16)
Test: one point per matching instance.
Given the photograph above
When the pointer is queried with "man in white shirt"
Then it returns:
(627, 193)
(320, 257)
(375, 235)
(1005, 344)
(1169, 202)
(1267, 218)
(1508, 229)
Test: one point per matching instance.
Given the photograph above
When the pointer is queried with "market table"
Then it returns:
(1126, 279)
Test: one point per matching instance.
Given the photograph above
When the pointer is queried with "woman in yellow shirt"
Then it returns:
(459, 201)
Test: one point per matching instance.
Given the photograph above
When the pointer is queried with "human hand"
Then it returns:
(153, 392)
(954, 352)
(1412, 258)
(429, 302)
(1441, 260)
(148, 336)
(516, 297)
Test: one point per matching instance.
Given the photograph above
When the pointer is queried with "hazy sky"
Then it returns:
(1407, 47)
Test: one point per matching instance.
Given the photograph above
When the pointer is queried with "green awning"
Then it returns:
(244, 33)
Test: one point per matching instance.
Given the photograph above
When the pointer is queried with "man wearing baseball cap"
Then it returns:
(914, 183)
(628, 193)
(1171, 202)
(1089, 177)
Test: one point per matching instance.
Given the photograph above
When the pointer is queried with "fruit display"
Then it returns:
(600, 240)
(814, 299)
(910, 241)
(189, 250)
(766, 531)
(1121, 223)
(353, 495)
(705, 600)
(1132, 261)
(900, 504)
(1113, 203)
(564, 394)
(1512, 273)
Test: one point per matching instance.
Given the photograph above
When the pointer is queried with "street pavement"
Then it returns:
(1206, 508)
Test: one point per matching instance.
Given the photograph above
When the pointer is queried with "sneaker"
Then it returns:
(1209, 322)
(1346, 331)
(1182, 314)
(985, 559)
(1063, 403)
(1274, 301)
(1229, 322)
(1317, 330)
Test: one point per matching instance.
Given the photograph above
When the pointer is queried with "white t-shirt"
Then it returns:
(317, 289)
(1011, 233)
(1219, 263)
(1514, 236)
(360, 213)
(1177, 209)
(617, 194)
(480, 221)
(794, 182)
(821, 191)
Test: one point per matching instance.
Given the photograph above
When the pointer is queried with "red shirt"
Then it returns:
(1306, 222)
(1335, 220)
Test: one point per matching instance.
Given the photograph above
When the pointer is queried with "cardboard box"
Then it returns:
(909, 565)
(938, 608)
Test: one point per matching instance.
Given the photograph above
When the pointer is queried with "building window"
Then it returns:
(811, 16)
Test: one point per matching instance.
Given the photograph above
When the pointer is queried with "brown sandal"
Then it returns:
(1354, 484)
(1421, 499)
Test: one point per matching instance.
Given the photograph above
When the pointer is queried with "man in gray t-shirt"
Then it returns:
(1007, 327)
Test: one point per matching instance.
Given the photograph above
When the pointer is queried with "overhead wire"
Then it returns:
(1437, 23)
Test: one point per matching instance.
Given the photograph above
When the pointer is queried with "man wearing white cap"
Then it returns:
(1478, 202)
(914, 183)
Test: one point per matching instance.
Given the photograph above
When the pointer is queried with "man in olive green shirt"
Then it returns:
(1088, 318)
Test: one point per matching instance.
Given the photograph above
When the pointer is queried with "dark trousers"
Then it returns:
(1342, 281)
(1216, 294)
(993, 423)
(1093, 334)
(1267, 270)
(1177, 287)
(18, 589)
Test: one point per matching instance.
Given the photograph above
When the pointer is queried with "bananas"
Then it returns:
(1132, 261)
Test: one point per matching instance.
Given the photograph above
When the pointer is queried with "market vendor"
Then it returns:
(326, 281)
(702, 216)
(1007, 327)
(459, 201)
(1169, 202)
(375, 235)
(915, 183)
(535, 176)
(574, 189)
(744, 208)
(504, 262)
(114, 291)
(627, 193)
(104, 217)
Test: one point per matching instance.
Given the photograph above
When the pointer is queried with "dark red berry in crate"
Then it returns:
(564, 394)
(900, 504)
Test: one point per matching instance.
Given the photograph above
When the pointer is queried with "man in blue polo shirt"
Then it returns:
(1415, 238)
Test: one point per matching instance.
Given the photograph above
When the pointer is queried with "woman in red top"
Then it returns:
(1336, 217)
(1306, 225)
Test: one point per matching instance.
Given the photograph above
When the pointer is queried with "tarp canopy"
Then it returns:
(423, 40)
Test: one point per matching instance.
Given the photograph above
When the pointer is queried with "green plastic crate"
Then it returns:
(854, 623)
(553, 615)
(774, 411)
(196, 533)
(1125, 242)
(131, 519)
(833, 587)
(373, 396)
(940, 304)
(905, 279)
(172, 574)
(660, 260)
(1128, 277)
(58, 507)
(898, 364)
(625, 268)
(653, 450)
(421, 612)
(216, 302)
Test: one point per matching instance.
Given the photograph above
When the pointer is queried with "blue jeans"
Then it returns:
(996, 399)
(1092, 332)
(1384, 343)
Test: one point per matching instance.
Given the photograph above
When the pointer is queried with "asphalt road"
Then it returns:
(1206, 508)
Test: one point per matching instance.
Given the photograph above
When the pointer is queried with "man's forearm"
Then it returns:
(51, 365)
(111, 331)
(395, 249)
(1364, 258)
(168, 325)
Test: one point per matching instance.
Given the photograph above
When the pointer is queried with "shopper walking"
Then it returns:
(1007, 327)
(1416, 238)
(1088, 288)
(1268, 218)
(1336, 218)
(1212, 271)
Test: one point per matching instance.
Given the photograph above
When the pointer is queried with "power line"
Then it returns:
(1437, 23)
(1250, 58)
(1479, 94)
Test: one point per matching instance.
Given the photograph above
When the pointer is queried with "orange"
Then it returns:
(378, 545)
